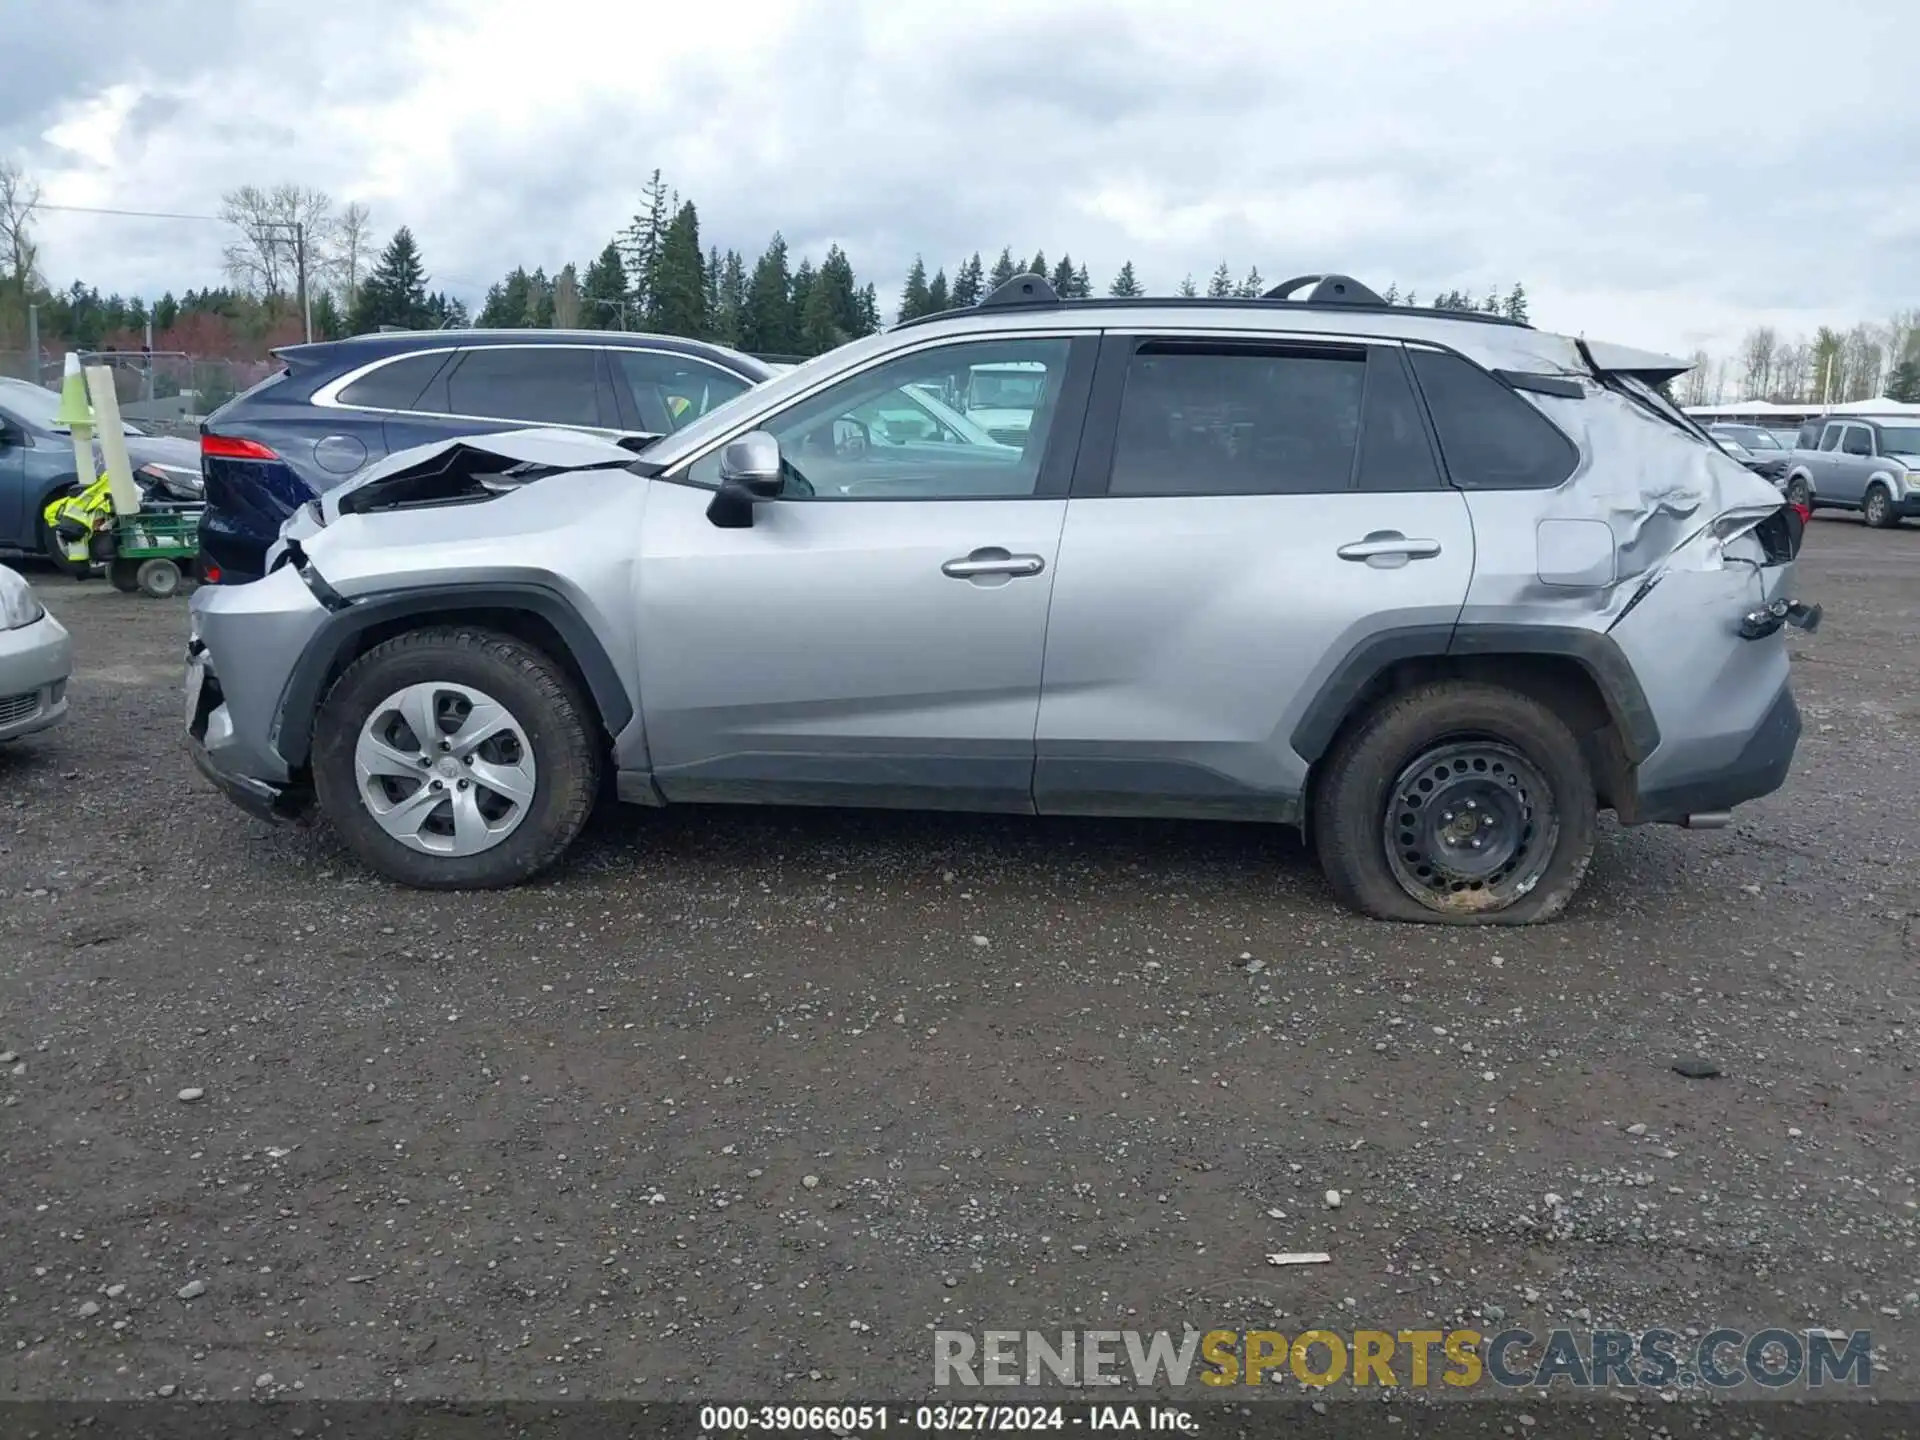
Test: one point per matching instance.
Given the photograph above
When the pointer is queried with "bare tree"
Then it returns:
(1693, 389)
(1756, 359)
(274, 226)
(352, 244)
(1865, 361)
(19, 199)
(566, 300)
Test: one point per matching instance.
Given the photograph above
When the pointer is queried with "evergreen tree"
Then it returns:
(1253, 287)
(538, 314)
(800, 292)
(1188, 289)
(328, 322)
(1903, 381)
(1410, 300)
(713, 286)
(603, 295)
(937, 297)
(869, 310)
(506, 306)
(445, 313)
(395, 290)
(1391, 294)
(1125, 286)
(677, 295)
(166, 311)
(1002, 272)
(969, 283)
(913, 298)
(1221, 286)
(1038, 265)
(843, 299)
(642, 239)
(1515, 307)
(1082, 283)
(730, 317)
(766, 320)
(819, 330)
(1491, 305)
(1062, 277)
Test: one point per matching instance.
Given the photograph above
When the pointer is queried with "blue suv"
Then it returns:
(341, 404)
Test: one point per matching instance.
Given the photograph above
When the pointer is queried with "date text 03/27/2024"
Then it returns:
(989, 1419)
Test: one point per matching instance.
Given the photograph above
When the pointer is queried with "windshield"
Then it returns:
(1900, 439)
(1751, 436)
(1005, 390)
(37, 406)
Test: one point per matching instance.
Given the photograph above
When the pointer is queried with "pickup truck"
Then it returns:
(1866, 463)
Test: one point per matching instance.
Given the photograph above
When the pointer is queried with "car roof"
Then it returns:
(358, 349)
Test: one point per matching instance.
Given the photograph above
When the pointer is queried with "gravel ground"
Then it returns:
(742, 1104)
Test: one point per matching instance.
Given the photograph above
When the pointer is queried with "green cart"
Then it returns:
(150, 552)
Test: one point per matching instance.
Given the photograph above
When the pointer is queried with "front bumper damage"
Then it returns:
(243, 642)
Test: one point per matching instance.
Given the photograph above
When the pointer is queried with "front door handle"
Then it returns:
(1388, 549)
(992, 560)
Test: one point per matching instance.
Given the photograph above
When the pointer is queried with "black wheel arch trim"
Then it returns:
(1596, 653)
(301, 699)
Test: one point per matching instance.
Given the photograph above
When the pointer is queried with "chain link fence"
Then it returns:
(167, 391)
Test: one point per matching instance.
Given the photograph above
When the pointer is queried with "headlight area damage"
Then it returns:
(464, 471)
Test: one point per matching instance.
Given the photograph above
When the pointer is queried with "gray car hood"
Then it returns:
(467, 468)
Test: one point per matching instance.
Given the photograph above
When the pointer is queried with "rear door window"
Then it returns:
(1490, 438)
(1831, 439)
(540, 384)
(396, 385)
(670, 392)
(1199, 418)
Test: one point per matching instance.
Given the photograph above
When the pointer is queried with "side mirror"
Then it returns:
(750, 473)
(753, 464)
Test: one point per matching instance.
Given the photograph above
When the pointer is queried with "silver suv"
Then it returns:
(1434, 587)
(1867, 464)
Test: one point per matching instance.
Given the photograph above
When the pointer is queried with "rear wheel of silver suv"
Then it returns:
(1456, 803)
(455, 759)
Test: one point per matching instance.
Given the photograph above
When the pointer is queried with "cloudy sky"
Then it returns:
(1655, 173)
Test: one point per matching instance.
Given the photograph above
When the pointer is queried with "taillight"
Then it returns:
(209, 572)
(230, 447)
(1806, 513)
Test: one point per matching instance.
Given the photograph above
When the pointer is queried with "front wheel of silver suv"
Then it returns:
(1456, 803)
(456, 759)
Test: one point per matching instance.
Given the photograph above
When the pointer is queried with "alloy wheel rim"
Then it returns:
(445, 769)
(1469, 825)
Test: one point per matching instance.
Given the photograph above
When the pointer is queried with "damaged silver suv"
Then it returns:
(1435, 587)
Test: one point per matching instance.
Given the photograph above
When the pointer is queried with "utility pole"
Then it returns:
(300, 263)
(146, 381)
(33, 343)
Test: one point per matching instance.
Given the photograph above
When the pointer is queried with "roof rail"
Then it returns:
(1022, 290)
(1327, 290)
(1330, 292)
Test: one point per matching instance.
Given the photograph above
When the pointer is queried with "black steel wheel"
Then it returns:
(1470, 823)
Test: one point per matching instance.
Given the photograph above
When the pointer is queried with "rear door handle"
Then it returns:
(1388, 549)
(992, 560)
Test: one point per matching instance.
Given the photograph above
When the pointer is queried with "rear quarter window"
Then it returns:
(1489, 437)
(396, 385)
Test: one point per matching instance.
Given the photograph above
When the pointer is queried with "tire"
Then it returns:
(1508, 760)
(1877, 508)
(124, 576)
(158, 579)
(548, 744)
(50, 546)
(1798, 492)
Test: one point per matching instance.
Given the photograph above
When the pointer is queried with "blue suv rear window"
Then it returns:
(1489, 437)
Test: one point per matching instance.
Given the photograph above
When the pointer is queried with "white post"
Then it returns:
(113, 440)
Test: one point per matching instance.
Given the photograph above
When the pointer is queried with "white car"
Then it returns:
(36, 659)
